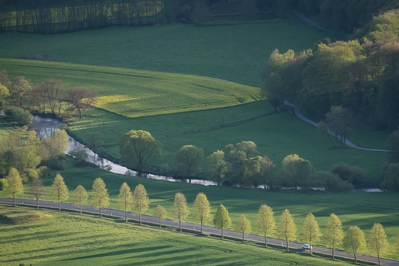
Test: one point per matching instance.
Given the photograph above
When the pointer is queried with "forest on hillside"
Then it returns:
(56, 16)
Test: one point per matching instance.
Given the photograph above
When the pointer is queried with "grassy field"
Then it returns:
(135, 93)
(360, 209)
(50, 238)
(236, 53)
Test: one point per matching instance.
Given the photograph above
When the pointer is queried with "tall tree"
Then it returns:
(354, 241)
(180, 208)
(100, 194)
(222, 219)
(37, 190)
(378, 243)
(189, 161)
(217, 166)
(20, 91)
(202, 209)
(287, 228)
(141, 200)
(334, 233)
(311, 231)
(4, 93)
(80, 99)
(14, 184)
(243, 226)
(60, 190)
(125, 198)
(297, 169)
(338, 123)
(266, 223)
(80, 197)
(136, 147)
(160, 212)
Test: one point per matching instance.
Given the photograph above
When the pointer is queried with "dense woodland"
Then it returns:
(55, 16)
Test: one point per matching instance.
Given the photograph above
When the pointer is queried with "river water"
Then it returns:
(45, 127)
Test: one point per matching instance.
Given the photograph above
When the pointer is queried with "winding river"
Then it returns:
(45, 127)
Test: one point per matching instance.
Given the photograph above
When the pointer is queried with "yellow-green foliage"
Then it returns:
(135, 93)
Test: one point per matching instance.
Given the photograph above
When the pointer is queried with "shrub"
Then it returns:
(3, 184)
(20, 116)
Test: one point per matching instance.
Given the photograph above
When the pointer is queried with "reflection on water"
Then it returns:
(45, 127)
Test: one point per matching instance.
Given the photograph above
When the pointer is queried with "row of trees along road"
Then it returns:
(237, 164)
(353, 240)
(47, 97)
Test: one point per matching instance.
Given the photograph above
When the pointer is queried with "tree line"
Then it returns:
(359, 75)
(353, 240)
(20, 96)
(57, 16)
(237, 164)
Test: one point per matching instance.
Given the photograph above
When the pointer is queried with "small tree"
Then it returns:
(60, 190)
(287, 227)
(202, 209)
(266, 223)
(100, 195)
(141, 201)
(15, 185)
(80, 99)
(125, 198)
(354, 241)
(243, 226)
(334, 233)
(80, 197)
(160, 212)
(180, 208)
(189, 161)
(222, 220)
(311, 230)
(378, 243)
(37, 190)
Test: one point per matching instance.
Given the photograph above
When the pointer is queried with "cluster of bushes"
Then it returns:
(237, 164)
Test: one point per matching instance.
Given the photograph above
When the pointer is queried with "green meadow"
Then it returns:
(50, 238)
(185, 85)
(360, 209)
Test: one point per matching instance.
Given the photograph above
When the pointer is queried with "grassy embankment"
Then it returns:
(360, 209)
(50, 238)
(236, 53)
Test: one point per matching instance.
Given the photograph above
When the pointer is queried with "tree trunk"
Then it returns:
(333, 252)
(286, 242)
(222, 233)
(243, 236)
(160, 223)
(201, 226)
(265, 240)
(125, 216)
(140, 219)
(354, 254)
(59, 206)
(80, 209)
(379, 263)
(180, 225)
(101, 213)
(37, 203)
(13, 199)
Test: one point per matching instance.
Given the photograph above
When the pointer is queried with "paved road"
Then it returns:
(298, 114)
(192, 227)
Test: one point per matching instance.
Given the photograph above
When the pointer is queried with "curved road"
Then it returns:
(192, 227)
(298, 114)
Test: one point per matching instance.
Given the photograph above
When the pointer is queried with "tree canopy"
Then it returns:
(136, 147)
